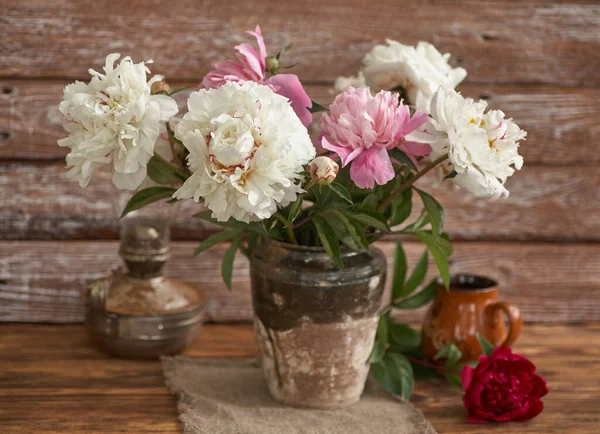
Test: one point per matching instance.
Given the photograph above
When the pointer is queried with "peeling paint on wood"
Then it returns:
(546, 203)
(536, 60)
(525, 41)
(550, 282)
(554, 117)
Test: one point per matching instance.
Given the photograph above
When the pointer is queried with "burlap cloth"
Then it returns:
(231, 397)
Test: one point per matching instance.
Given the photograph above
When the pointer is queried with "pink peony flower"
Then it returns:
(251, 66)
(362, 128)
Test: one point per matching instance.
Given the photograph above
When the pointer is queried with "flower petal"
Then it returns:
(466, 376)
(370, 167)
(261, 44)
(167, 105)
(418, 119)
(251, 60)
(289, 86)
(346, 153)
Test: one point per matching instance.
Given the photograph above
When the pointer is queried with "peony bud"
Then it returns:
(160, 88)
(272, 63)
(323, 170)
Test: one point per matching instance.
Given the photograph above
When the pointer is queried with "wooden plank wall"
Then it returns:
(539, 61)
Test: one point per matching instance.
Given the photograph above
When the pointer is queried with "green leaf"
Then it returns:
(394, 373)
(435, 212)
(346, 231)
(253, 241)
(443, 242)
(453, 379)
(439, 256)
(283, 50)
(486, 346)
(401, 157)
(370, 218)
(162, 172)
(362, 238)
(231, 223)
(451, 175)
(146, 197)
(179, 89)
(399, 271)
(421, 298)
(421, 221)
(316, 107)
(341, 191)
(403, 338)
(401, 207)
(295, 209)
(369, 203)
(171, 134)
(215, 239)
(451, 353)
(381, 340)
(417, 276)
(424, 373)
(329, 241)
(227, 264)
(340, 229)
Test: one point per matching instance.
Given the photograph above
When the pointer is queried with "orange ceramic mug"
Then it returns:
(469, 307)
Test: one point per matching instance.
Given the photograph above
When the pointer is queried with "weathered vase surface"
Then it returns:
(315, 324)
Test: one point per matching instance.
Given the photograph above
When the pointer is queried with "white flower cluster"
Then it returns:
(482, 147)
(247, 149)
(420, 70)
(113, 123)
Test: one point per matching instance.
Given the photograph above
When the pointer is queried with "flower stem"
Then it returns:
(433, 366)
(301, 222)
(288, 229)
(310, 184)
(409, 182)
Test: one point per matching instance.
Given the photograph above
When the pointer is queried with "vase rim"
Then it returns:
(464, 282)
(314, 249)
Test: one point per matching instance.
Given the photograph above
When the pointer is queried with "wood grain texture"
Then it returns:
(78, 390)
(551, 282)
(546, 203)
(560, 121)
(534, 59)
(526, 42)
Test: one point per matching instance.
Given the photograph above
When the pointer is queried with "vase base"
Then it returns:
(319, 366)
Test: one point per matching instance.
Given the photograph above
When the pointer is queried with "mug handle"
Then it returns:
(515, 321)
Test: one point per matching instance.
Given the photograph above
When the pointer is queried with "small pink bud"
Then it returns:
(323, 170)
(160, 88)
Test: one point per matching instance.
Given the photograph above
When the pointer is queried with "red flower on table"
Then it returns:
(503, 387)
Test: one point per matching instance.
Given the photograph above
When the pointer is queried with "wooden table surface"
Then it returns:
(52, 381)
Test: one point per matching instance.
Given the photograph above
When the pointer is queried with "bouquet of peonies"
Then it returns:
(243, 151)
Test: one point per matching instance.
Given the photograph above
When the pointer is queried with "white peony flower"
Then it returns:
(482, 147)
(343, 83)
(113, 123)
(420, 70)
(247, 149)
